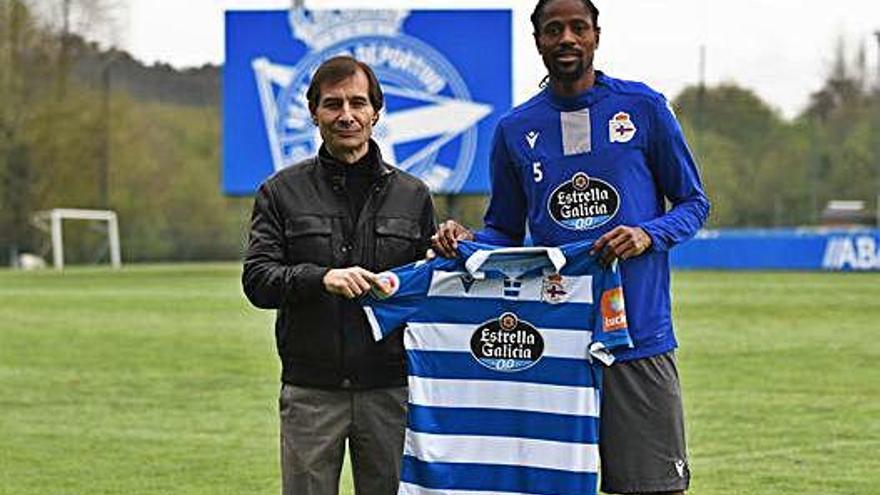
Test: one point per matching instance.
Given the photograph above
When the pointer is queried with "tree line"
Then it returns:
(761, 170)
(70, 139)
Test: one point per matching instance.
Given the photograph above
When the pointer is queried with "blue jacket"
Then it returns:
(571, 169)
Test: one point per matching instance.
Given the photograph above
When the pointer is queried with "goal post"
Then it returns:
(51, 221)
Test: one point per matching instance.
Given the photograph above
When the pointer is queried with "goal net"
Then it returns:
(52, 222)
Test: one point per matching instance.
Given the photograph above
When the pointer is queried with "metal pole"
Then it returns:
(877, 82)
(701, 102)
(57, 244)
(814, 171)
(113, 234)
(877, 127)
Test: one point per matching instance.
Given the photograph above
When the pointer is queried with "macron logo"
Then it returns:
(679, 467)
(532, 138)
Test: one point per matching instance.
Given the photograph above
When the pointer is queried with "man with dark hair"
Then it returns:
(593, 157)
(320, 231)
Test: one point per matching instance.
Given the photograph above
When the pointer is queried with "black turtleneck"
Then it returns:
(356, 177)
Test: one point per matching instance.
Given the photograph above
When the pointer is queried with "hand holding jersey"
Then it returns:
(621, 242)
(352, 282)
(445, 241)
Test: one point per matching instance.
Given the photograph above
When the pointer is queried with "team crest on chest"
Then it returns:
(553, 289)
(621, 128)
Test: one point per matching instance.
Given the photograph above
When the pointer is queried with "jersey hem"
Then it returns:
(645, 352)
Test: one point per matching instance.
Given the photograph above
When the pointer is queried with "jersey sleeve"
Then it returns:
(506, 215)
(677, 176)
(409, 286)
(610, 331)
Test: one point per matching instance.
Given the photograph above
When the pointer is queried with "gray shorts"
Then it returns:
(642, 445)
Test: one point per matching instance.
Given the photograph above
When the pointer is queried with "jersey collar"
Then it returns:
(600, 90)
(514, 262)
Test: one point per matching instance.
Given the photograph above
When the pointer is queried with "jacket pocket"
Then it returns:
(397, 242)
(308, 239)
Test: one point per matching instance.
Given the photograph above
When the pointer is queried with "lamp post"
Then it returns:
(877, 127)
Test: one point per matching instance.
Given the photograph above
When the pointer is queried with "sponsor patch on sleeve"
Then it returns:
(390, 281)
(613, 310)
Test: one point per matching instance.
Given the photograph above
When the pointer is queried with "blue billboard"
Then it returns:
(446, 75)
(781, 249)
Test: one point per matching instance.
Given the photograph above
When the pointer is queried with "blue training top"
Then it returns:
(575, 168)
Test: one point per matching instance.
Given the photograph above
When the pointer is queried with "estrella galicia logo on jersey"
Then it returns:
(621, 128)
(507, 344)
(430, 126)
(583, 203)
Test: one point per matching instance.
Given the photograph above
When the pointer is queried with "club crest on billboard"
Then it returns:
(443, 92)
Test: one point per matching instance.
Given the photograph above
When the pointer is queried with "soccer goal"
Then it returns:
(51, 221)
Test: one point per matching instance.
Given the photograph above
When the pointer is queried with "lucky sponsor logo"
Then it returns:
(613, 310)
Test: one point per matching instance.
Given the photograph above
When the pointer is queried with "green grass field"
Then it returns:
(161, 380)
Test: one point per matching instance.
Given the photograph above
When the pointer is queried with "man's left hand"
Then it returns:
(621, 242)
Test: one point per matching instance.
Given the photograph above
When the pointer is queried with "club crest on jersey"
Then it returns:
(613, 310)
(621, 128)
(553, 290)
(583, 202)
(507, 344)
(390, 281)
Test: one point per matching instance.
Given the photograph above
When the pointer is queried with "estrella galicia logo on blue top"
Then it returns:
(507, 344)
(583, 202)
(430, 124)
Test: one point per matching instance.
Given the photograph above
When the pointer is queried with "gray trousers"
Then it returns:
(315, 424)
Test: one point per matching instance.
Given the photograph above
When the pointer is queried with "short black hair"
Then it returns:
(539, 11)
(338, 69)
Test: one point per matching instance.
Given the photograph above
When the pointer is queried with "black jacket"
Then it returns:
(302, 227)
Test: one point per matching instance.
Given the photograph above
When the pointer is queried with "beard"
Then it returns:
(567, 73)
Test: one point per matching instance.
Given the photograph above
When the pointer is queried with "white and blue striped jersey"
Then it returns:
(503, 351)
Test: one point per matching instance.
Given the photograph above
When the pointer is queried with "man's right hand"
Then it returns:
(446, 239)
(351, 282)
